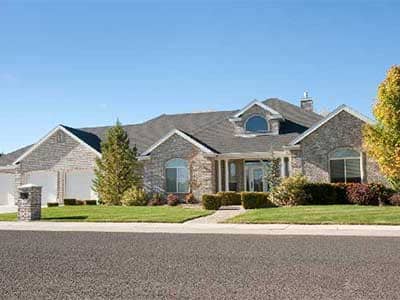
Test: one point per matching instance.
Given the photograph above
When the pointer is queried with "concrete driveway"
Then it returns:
(94, 265)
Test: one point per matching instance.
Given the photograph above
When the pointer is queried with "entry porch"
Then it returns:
(246, 172)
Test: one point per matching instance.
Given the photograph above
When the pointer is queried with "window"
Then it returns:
(256, 124)
(177, 176)
(345, 165)
(232, 177)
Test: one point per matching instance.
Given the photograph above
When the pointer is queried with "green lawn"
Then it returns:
(160, 214)
(322, 214)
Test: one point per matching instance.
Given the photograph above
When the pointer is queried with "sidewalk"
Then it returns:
(249, 229)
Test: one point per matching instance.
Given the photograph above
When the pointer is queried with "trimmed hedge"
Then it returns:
(252, 200)
(211, 202)
(90, 202)
(367, 194)
(69, 201)
(322, 193)
(52, 204)
(230, 198)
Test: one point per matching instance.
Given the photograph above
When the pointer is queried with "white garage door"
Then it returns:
(78, 185)
(48, 181)
(7, 189)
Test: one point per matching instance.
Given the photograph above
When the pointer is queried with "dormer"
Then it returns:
(256, 119)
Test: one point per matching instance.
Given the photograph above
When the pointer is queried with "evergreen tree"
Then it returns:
(382, 140)
(118, 168)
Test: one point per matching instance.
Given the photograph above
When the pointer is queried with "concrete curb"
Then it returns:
(248, 229)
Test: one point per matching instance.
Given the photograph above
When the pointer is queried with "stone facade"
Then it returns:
(342, 131)
(29, 203)
(59, 153)
(202, 168)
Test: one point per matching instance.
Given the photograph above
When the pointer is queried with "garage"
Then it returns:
(78, 185)
(48, 181)
(7, 182)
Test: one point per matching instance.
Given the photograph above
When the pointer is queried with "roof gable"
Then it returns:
(65, 129)
(260, 104)
(182, 135)
(328, 118)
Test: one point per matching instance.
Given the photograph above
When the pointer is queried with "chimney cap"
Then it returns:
(305, 95)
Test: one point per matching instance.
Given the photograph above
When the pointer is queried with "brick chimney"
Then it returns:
(306, 102)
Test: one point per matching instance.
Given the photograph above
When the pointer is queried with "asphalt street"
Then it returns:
(78, 265)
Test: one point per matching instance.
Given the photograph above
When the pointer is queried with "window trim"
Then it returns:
(256, 132)
(177, 182)
(360, 157)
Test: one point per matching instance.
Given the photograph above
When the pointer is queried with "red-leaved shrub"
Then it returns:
(190, 199)
(358, 193)
(395, 199)
(172, 200)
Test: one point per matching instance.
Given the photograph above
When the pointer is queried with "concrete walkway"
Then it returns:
(224, 213)
(248, 229)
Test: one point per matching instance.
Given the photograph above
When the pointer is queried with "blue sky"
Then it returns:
(86, 63)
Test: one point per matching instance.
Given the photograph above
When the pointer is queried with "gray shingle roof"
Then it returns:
(212, 129)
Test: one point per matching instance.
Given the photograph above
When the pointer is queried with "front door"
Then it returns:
(255, 178)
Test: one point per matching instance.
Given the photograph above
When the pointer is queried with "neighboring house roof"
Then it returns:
(211, 129)
(8, 159)
(329, 117)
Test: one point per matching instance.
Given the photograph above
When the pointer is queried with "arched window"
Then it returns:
(177, 176)
(345, 165)
(256, 124)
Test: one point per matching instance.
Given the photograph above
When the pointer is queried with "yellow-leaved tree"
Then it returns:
(382, 140)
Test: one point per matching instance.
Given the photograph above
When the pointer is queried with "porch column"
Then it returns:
(226, 175)
(219, 175)
(282, 167)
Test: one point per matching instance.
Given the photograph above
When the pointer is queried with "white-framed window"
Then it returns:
(177, 176)
(345, 165)
(256, 124)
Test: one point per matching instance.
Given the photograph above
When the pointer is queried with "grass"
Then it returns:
(156, 214)
(322, 214)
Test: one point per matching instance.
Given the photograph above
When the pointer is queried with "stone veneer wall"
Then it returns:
(202, 168)
(59, 157)
(344, 130)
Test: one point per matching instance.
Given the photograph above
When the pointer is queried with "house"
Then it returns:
(202, 152)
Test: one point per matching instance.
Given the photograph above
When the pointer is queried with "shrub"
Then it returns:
(91, 202)
(381, 192)
(341, 192)
(134, 197)
(69, 201)
(395, 199)
(322, 193)
(172, 200)
(79, 202)
(52, 204)
(361, 194)
(252, 200)
(291, 192)
(157, 199)
(230, 198)
(211, 202)
(190, 199)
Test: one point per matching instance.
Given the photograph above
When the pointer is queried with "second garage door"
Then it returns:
(48, 181)
(78, 185)
(7, 182)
